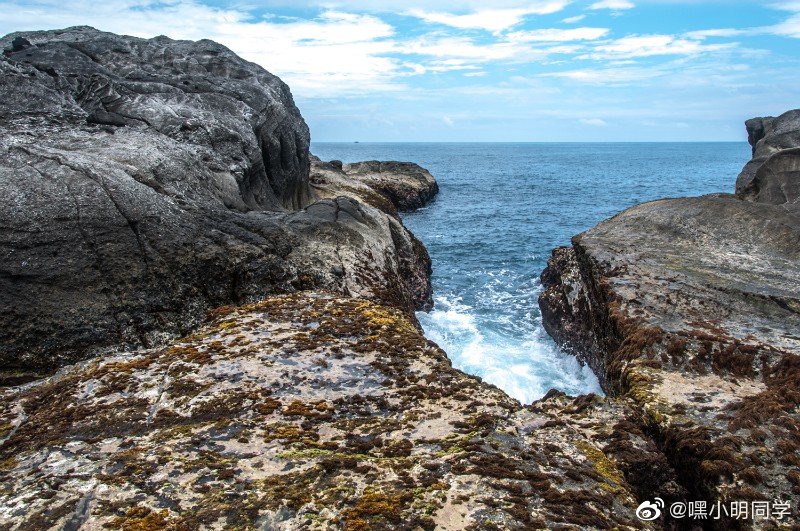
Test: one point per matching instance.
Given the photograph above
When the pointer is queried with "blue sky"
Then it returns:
(540, 70)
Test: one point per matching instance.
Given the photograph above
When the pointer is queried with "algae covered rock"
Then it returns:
(303, 411)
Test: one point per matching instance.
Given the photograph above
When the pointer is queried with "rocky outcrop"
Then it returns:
(407, 185)
(149, 180)
(688, 309)
(768, 136)
(776, 181)
(329, 180)
(308, 411)
(146, 181)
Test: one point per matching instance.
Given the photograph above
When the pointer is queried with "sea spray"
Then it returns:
(500, 211)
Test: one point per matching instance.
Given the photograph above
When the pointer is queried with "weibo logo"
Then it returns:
(650, 511)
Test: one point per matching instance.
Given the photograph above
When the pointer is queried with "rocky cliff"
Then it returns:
(689, 310)
(147, 181)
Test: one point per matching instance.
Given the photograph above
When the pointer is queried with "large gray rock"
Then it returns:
(768, 136)
(146, 181)
(689, 309)
(776, 181)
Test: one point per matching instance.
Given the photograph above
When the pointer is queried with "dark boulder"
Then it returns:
(145, 181)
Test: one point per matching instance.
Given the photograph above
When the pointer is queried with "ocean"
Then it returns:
(501, 209)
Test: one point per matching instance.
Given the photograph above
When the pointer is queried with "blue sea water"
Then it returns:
(501, 209)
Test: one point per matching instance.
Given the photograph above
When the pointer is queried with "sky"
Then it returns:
(481, 71)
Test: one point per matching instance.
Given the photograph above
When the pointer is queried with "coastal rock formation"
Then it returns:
(406, 184)
(307, 411)
(329, 180)
(768, 136)
(146, 181)
(689, 310)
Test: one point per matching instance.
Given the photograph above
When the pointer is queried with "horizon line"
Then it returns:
(529, 142)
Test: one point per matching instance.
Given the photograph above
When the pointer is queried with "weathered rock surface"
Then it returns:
(328, 180)
(689, 309)
(768, 136)
(146, 181)
(308, 411)
(776, 181)
(406, 184)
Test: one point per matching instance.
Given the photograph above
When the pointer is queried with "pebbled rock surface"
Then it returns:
(309, 411)
(146, 181)
(689, 309)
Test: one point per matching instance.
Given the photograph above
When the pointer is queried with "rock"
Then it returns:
(688, 309)
(776, 181)
(768, 136)
(565, 297)
(328, 180)
(146, 181)
(407, 185)
(308, 408)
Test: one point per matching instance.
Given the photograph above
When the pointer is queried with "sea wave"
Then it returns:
(525, 369)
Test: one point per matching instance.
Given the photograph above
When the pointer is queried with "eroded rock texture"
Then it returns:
(308, 411)
(689, 309)
(770, 136)
(145, 181)
(406, 184)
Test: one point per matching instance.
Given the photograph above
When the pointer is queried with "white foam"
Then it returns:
(524, 368)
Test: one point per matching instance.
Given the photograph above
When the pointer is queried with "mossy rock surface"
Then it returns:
(242, 426)
(687, 311)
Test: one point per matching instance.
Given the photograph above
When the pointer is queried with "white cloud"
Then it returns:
(651, 45)
(608, 76)
(494, 20)
(595, 122)
(334, 53)
(559, 35)
(787, 6)
(788, 28)
(722, 32)
(453, 48)
(613, 4)
(573, 20)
